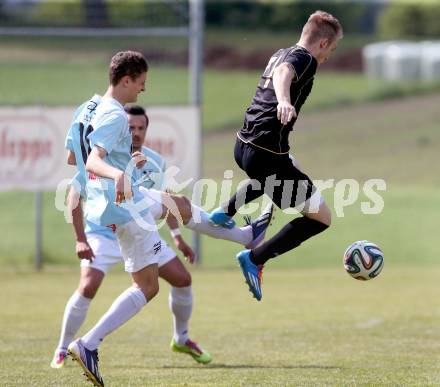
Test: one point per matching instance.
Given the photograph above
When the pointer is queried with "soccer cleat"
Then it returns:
(259, 226)
(251, 272)
(191, 348)
(59, 359)
(88, 360)
(219, 218)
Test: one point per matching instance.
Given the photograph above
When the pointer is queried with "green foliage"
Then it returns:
(410, 20)
(141, 13)
(59, 13)
(288, 15)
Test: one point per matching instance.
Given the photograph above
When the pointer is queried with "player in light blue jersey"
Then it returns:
(110, 198)
(76, 140)
(99, 251)
(108, 152)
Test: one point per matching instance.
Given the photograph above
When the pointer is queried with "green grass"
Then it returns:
(314, 327)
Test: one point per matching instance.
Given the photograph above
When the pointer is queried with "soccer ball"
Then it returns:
(363, 260)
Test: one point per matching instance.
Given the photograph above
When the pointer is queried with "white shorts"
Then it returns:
(154, 200)
(108, 253)
(106, 250)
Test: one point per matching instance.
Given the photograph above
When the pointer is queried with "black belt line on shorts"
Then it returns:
(258, 146)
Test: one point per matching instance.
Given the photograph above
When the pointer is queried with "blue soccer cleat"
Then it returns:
(219, 218)
(88, 360)
(251, 272)
(259, 226)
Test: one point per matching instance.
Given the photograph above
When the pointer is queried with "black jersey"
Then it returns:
(261, 126)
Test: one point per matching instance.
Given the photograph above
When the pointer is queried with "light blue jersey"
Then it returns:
(91, 228)
(151, 175)
(110, 131)
(76, 140)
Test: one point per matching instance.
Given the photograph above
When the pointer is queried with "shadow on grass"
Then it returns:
(250, 366)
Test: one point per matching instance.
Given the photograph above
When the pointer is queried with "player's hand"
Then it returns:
(285, 112)
(84, 251)
(187, 251)
(122, 188)
(139, 158)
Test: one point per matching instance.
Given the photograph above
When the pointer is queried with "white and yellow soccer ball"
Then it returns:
(363, 260)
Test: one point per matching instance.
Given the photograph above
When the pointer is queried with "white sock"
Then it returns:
(128, 304)
(181, 302)
(74, 315)
(200, 223)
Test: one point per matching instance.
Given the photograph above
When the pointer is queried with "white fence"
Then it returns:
(32, 154)
(401, 60)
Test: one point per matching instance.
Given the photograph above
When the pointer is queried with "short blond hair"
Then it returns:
(321, 25)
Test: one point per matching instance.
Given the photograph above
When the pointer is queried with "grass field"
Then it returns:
(314, 327)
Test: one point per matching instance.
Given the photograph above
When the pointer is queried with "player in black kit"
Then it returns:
(262, 147)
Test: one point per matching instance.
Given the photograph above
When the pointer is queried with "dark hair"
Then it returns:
(131, 63)
(136, 110)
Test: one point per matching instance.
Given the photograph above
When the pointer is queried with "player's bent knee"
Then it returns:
(186, 209)
(90, 281)
(183, 281)
(184, 206)
(88, 289)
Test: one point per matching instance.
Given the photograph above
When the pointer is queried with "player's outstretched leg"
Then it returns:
(223, 215)
(197, 219)
(219, 217)
(88, 360)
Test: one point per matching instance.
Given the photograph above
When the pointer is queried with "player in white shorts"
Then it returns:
(101, 143)
(101, 243)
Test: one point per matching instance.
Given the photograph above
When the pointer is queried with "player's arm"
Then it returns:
(180, 243)
(71, 159)
(282, 79)
(97, 165)
(83, 249)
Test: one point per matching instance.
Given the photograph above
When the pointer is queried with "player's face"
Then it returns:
(138, 129)
(136, 86)
(327, 47)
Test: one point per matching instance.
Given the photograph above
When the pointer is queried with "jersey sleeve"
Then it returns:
(300, 63)
(79, 184)
(68, 143)
(108, 131)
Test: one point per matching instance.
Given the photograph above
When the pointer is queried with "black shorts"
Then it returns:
(275, 175)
